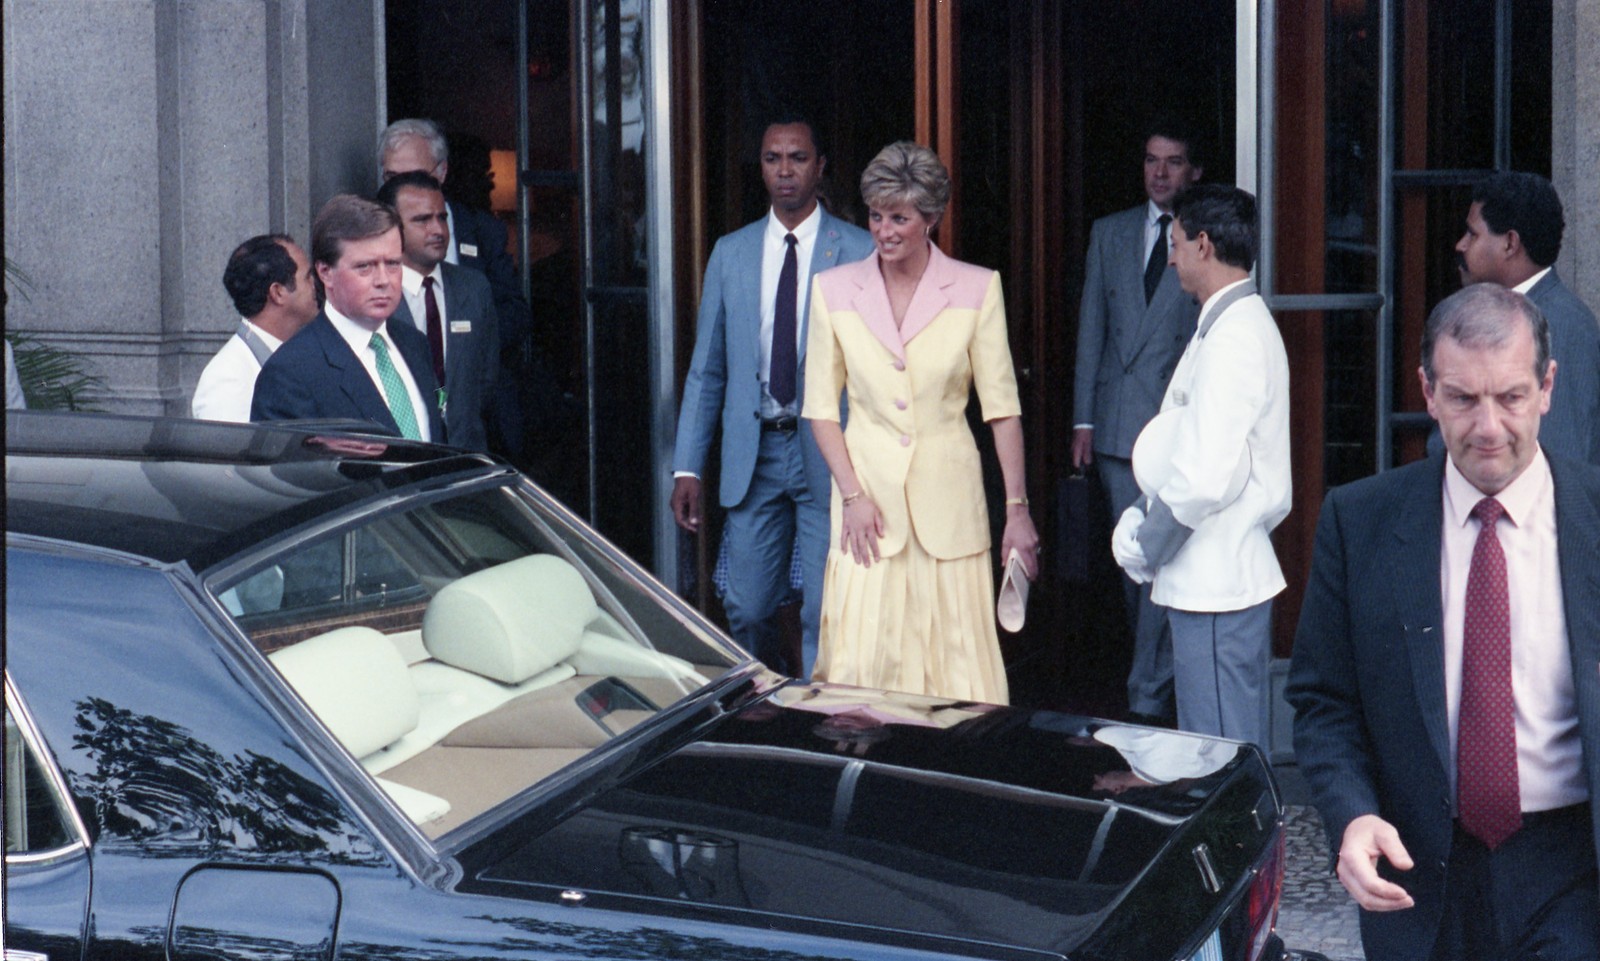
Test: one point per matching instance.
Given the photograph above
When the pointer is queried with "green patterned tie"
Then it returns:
(394, 389)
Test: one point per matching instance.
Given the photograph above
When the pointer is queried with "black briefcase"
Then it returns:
(1074, 528)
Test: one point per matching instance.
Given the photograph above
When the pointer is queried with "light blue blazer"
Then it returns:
(724, 379)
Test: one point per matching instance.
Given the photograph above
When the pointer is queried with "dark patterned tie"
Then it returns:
(1488, 796)
(1157, 264)
(780, 380)
(435, 328)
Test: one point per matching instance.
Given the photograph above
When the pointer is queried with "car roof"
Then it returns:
(174, 489)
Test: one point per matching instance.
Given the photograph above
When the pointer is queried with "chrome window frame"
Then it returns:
(58, 787)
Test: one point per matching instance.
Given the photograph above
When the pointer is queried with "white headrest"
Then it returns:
(355, 680)
(511, 621)
(1155, 446)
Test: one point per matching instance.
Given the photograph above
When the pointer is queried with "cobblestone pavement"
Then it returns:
(1315, 914)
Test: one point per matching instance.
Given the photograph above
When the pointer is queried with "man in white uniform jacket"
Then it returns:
(1214, 465)
(275, 291)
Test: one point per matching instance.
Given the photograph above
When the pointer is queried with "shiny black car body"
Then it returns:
(279, 694)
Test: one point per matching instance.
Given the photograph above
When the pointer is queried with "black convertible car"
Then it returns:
(281, 693)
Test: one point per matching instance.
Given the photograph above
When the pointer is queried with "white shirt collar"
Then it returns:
(411, 281)
(358, 337)
(261, 332)
(804, 232)
(1153, 214)
(1527, 285)
(1518, 498)
(1218, 295)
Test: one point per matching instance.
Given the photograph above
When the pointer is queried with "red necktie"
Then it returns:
(781, 378)
(435, 328)
(1488, 798)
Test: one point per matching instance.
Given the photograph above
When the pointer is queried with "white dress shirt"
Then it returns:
(1527, 285)
(1549, 753)
(452, 253)
(411, 288)
(228, 383)
(360, 340)
(1152, 230)
(773, 250)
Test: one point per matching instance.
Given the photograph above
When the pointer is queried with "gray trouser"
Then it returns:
(1222, 671)
(1150, 677)
(778, 511)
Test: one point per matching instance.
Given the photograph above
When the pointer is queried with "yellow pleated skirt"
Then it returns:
(912, 623)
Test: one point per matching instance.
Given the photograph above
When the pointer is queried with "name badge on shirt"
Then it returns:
(469, 250)
(460, 326)
(1180, 396)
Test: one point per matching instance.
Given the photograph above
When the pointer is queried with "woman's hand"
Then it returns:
(860, 529)
(1021, 537)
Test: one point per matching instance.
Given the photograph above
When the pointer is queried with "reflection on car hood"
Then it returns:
(916, 814)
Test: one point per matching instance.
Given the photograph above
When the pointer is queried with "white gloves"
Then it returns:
(1125, 546)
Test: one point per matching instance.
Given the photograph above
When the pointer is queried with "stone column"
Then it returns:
(1575, 140)
(144, 139)
(231, 146)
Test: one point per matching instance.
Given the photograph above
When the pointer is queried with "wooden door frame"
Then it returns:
(936, 42)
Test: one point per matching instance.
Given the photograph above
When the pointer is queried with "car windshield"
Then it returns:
(464, 647)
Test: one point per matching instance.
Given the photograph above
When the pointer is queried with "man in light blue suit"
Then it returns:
(748, 373)
(1133, 325)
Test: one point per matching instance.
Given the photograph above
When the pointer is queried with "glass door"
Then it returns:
(595, 185)
(1377, 117)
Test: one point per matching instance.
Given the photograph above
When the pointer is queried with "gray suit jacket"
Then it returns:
(724, 382)
(1572, 428)
(1367, 680)
(471, 355)
(1126, 348)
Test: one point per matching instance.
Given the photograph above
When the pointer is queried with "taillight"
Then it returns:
(1262, 901)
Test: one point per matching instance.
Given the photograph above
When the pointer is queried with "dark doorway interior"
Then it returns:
(458, 64)
(1049, 102)
(845, 64)
(1054, 101)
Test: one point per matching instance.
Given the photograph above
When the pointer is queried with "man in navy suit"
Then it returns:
(1446, 673)
(352, 362)
(774, 483)
(1133, 325)
(1512, 238)
(450, 305)
(477, 241)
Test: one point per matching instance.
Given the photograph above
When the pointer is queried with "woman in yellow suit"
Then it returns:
(908, 599)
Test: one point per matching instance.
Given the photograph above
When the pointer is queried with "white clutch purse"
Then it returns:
(1011, 606)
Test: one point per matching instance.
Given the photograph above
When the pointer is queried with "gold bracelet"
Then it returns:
(1016, 502)
(850, 498)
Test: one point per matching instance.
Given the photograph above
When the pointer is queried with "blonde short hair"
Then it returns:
(907, 173)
